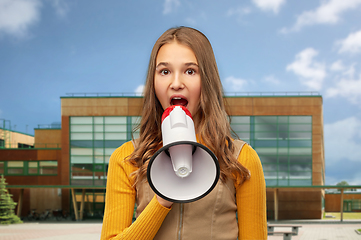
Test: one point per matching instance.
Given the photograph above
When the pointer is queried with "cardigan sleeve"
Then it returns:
(251, 198)
(120, 200)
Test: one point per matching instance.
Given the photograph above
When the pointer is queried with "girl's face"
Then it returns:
(177, 79)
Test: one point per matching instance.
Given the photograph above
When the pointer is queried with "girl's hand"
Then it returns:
(164, 203)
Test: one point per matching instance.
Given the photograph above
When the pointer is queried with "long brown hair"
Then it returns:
(213, 127)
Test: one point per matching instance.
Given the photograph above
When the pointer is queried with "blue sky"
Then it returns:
(53, 47)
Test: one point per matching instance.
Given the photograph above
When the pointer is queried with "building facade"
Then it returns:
(286, 132)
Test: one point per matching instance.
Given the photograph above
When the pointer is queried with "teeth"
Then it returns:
(177, 98)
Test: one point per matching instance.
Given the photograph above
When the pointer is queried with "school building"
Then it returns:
(65, 166)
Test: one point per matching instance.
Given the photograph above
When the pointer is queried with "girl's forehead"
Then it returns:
(175, 52)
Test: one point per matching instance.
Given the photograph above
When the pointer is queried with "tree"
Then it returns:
(7, 205)
(344, 183)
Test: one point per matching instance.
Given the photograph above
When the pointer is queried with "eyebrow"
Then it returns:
(191, 64)
(167, 64)
(162, 64)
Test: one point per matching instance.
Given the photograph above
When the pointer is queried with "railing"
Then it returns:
(49, 126)
(229, 94)
(133, 94)
(47, 145)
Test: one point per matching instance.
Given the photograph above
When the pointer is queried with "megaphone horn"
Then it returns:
(182, 170)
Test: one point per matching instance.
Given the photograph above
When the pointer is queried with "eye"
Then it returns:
(164, 72)
(190, 71)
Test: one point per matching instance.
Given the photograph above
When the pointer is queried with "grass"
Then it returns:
(346, 215)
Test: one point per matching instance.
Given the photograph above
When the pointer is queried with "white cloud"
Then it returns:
(139, 90)
(342, 140)
(329, 12)
(351, 44)
(170, 5)
(337, 66)
(61, 7)
(347, 86)
(350, 71)
(310, 72)
(269, 5)
(347, 83)
(17, 16)
(236, 84)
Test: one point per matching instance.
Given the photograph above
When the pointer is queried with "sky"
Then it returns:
(50, 48)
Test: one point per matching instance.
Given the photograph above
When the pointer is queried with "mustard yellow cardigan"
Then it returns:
(120, 200)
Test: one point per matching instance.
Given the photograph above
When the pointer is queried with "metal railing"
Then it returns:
(105, 94)
(239, 94)
(47, 145)
(49, 126)
(226, 94)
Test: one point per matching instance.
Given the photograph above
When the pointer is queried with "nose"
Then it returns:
(177, 82)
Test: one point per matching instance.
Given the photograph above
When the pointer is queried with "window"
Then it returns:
(33, 168)
(284, 145)
(23, 145)
(48, 167)
(92, 141)
(29, 168)
(241, 126)
(15, 167)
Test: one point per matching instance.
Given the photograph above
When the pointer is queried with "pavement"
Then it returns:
(84, 230)
(321, 230)
(90, 230)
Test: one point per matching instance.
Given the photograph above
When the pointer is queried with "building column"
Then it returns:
(20, 202)
(73, 196)
(341, 217)
(276, 203)
(82, 204)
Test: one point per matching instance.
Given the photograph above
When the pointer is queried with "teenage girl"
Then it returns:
(183, 71)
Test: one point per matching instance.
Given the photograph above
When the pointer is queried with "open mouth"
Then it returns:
(179, 101)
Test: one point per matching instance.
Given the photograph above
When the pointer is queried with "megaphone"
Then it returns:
(182, 170)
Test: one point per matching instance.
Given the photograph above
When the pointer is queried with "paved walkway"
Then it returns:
(321, 230)
(90, 230)
(51, 231)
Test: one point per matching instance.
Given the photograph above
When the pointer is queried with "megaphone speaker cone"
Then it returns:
(202, 179)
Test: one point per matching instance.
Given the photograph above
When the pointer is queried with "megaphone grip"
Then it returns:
(181, 157)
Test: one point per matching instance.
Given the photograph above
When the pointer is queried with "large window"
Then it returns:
(29, 168)
(92, 141)
(284, 144)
